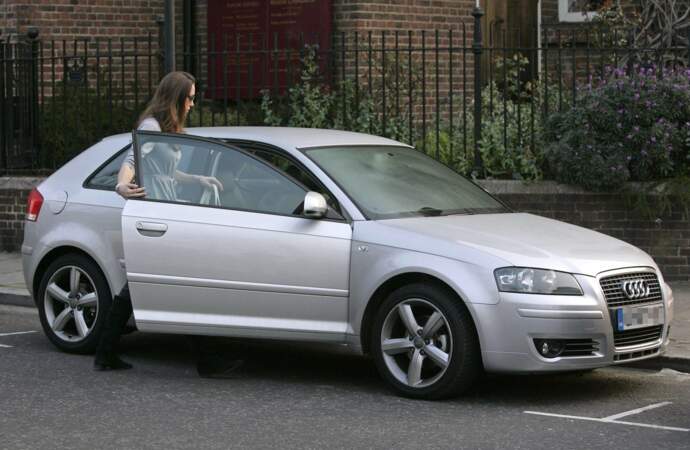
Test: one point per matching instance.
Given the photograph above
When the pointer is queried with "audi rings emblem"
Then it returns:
(634, 289)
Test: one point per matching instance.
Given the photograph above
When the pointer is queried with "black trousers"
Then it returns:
(206, 348)
(115, 321)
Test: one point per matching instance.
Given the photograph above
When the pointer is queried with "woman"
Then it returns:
(166, 112)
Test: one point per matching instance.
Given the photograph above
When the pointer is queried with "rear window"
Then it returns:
(105, 177)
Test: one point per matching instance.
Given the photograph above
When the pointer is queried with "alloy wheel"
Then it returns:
(71, 304)
(416, 343)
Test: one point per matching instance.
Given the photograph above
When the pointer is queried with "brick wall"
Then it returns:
(13, 195)
(666, 239)
(69, 19)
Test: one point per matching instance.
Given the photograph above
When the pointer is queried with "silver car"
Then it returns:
(332, 236)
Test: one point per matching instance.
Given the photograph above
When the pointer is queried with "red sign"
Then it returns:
(256, 44)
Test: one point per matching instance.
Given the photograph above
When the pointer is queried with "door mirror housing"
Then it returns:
(315, 206)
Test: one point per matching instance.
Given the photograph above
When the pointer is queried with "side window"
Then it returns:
(245, 182)
(106, 176)
(290, 168)
(253, 185)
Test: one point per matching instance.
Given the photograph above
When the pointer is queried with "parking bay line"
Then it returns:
(16, 332)
(611, 419)
(13, 334)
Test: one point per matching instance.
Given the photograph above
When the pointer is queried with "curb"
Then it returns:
(16, 300)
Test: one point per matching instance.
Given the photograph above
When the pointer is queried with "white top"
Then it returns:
(148, 124)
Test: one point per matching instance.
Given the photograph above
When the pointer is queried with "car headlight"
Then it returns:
(536, 281)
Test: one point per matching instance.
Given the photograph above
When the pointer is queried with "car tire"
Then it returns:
(73, 299)
(424, 342)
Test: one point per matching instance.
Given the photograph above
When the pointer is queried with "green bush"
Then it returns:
(625, 127)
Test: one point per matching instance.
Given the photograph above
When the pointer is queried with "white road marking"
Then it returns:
(13, 334)
(610, 419)
(16, 332)
(636, 411)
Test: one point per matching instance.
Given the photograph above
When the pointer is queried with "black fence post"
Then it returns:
(477, 13)
(3, 108)
(169, 35)
(35, 140)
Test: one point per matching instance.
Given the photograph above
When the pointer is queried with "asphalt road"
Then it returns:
(297, 396)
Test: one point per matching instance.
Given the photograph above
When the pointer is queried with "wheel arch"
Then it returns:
(56, 253)
(394, 283)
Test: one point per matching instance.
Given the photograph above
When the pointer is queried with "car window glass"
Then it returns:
(245, 182)
(389, 182)
(106, 176)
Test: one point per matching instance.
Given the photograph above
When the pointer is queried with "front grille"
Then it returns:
(635, 355)
(580, 347)
(638, 336)
(614, 292)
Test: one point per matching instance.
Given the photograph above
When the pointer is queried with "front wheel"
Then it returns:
(424, 342)
(73, 300)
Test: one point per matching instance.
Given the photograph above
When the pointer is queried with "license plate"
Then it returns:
(631, 317)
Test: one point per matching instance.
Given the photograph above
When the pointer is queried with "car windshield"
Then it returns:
(389, 182)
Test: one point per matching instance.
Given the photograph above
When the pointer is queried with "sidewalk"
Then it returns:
(13, 292)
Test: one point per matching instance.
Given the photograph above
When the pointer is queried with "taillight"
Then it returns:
(33, 205)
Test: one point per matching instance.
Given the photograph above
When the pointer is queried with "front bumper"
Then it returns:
(507, 330)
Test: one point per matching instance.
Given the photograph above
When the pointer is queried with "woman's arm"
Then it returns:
(206, 182)
(124, 186)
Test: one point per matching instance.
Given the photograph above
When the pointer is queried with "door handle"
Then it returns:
(151, 228)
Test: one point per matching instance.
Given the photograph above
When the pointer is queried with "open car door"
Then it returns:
(235, 260)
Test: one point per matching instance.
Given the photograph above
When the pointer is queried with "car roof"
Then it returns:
(287, 136)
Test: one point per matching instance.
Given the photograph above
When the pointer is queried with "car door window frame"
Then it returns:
(221, 143)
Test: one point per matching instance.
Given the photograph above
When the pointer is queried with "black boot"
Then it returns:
(106, 352)
(211, 360)
(110, 362)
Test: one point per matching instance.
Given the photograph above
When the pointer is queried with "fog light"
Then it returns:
(549, 348)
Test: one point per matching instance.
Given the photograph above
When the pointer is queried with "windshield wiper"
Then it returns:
(472, 211)
(429, 211)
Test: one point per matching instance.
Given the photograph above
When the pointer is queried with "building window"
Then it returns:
(578, 10)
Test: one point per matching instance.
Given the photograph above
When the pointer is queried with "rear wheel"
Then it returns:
(424, 342)
(73, 300)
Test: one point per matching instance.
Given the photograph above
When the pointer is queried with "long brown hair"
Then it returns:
(167, 104)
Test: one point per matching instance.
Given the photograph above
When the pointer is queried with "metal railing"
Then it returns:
(446, 92)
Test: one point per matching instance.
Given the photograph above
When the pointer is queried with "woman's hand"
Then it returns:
(209, 182)
(129, 190)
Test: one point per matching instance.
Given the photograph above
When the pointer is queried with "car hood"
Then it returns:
(516, 239)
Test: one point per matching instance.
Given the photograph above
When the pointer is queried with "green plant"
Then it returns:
(307, 104)
(625, 127)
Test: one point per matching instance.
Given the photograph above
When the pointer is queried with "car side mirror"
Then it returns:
(315, 206)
